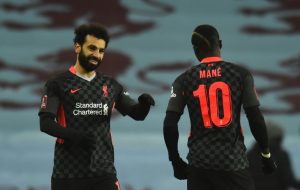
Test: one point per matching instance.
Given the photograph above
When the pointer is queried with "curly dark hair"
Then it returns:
(95, 29)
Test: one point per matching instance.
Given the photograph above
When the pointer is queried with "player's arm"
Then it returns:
(49, 125)
(171, 135)
(255, 118)
(47, 115)
(256, 122)
(258, 128)
(136, 110)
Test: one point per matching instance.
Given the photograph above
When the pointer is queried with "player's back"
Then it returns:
(214, 92)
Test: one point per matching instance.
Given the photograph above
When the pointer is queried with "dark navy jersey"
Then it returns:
(85, 106)
(214, 92)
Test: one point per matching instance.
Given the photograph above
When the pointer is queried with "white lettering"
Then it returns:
(90, 109)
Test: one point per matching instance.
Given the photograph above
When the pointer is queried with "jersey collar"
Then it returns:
(72, 70)
(211, 59)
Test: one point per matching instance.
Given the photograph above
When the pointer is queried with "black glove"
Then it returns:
(146, 99)
(180, 168)
(268, 165)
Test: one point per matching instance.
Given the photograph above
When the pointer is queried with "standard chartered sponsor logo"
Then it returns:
(90, 109)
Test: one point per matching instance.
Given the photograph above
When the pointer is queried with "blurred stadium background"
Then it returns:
(150, 46)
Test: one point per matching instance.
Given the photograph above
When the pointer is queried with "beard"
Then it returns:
(84, 61)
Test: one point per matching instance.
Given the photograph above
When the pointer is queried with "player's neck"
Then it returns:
(211, 54)
(82, 71)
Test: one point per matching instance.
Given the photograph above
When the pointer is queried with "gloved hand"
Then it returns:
(180, 168)
(268, 165)
(146, 99)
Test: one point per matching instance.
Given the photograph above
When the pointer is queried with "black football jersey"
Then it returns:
(87, 107)
(214, 92)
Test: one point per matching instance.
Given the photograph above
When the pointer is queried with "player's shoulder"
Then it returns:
(242, 69)
(108, 78)
(59, 77)
(105, 76)
(55, 82)
(180, 78)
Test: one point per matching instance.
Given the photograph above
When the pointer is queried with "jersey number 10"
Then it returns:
(210, 112)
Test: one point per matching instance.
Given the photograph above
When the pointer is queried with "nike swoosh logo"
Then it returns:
(74, 91)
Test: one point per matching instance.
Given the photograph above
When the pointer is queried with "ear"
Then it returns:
(220, 44)
(77, 48)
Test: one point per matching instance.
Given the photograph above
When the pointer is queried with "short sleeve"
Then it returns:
(250, 97)
(124, 102)
(177, 99)
(50, 98)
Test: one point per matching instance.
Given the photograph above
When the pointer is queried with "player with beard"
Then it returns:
(76, 108)
(214, 92)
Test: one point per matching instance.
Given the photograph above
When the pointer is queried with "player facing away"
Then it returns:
(76, 108)
(214, 92)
